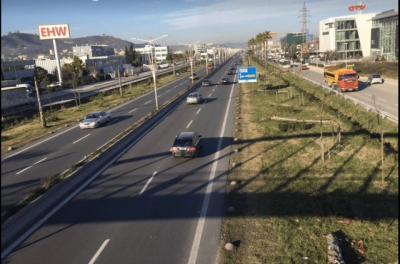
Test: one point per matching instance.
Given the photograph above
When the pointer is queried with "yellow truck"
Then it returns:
(343, 79)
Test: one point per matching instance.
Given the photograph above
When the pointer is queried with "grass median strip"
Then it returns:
(293, 184)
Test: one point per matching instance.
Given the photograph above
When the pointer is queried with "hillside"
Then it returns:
(31, 45)
(14, 44)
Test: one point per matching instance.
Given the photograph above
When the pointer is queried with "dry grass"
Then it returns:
(287, 200)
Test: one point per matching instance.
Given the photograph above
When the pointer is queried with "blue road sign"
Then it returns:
(248, 74)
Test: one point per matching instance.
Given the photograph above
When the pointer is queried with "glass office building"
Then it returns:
(384, 35)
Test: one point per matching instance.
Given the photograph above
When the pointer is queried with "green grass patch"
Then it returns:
(289, 196)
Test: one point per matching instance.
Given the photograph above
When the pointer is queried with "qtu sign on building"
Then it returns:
(57, 31)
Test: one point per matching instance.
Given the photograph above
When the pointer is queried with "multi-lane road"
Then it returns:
(24, 168)
(146, 207)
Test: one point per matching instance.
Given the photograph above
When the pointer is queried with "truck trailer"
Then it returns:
(16, 99)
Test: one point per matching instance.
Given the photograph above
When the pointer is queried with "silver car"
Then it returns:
(95, 119)
(194, 98)
(374, 78)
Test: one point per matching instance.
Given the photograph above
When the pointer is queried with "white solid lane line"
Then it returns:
(148, 182)
(202, 219)
(31, 165)
(99, 251)
(81, 139)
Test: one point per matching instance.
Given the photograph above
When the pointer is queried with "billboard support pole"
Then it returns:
(58, 61)
(55, 31)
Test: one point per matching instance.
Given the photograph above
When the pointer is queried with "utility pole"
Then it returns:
(119, 80)
(304, 16)
(42, 120)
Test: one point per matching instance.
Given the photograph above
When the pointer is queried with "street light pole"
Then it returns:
(219, 55)
(345, 44)
(214, 57)
(150, 43)
(190, 57)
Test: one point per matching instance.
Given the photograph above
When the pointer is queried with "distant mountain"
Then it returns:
(31, 45)
(14, 44)
(235, 45)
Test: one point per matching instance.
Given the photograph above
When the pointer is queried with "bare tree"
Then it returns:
(42, 120)
(381, 132)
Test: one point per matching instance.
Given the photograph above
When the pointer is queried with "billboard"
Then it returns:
(57, 31)
(248, 74)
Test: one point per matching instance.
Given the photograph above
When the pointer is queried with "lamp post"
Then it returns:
(214, 56)
(150, 43)
(219, 55)
(190, 46)
(345, 45)
(207, 45)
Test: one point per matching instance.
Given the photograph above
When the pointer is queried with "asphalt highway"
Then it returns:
(146, 206)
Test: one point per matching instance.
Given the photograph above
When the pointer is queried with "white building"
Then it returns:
(349, 36)
(160, 53)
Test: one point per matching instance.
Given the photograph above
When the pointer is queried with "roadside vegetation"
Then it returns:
(306, 165)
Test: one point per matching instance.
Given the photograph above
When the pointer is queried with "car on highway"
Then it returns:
(194, 76)
(187, 144)
(231, 68)
(303, 67)
(224, 80)
(95, 119)
(54, 85)
(374, 78)
(229, 72)
(194, 98)
(206, 82)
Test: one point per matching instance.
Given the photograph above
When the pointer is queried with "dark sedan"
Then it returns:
(186, 144)
(224, 80)
(206, 82)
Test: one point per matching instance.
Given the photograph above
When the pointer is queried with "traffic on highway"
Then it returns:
(164, 209)
(143, 197)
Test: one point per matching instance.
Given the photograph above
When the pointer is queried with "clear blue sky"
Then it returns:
(186, 21)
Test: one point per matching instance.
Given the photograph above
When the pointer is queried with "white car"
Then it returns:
(95, 119)
(374, 78)
(194, 98)
(54, 85)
